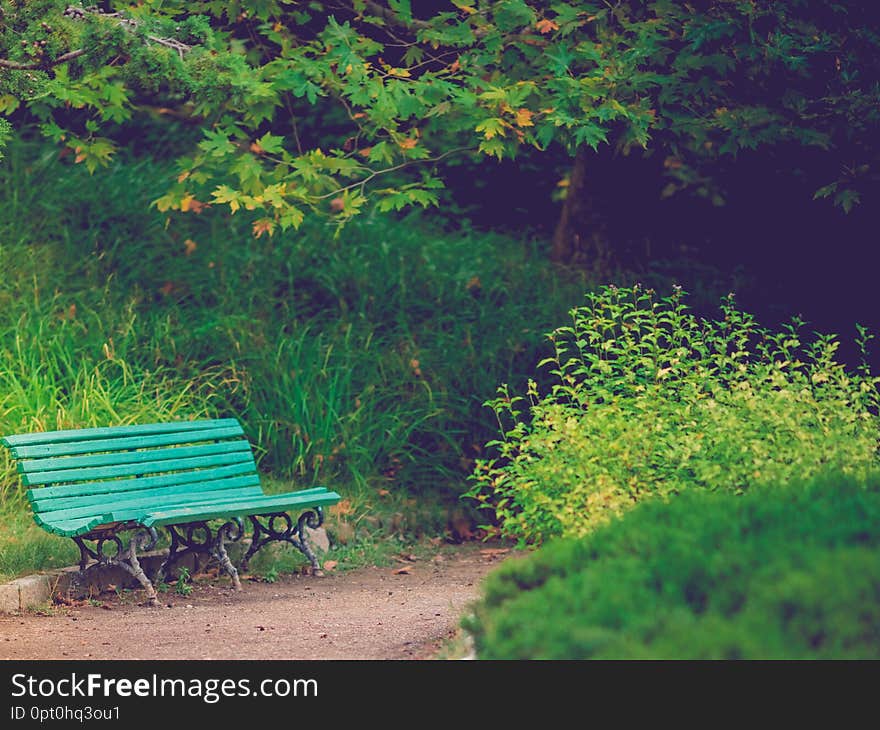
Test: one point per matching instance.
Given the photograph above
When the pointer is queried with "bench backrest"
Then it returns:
(76, 473)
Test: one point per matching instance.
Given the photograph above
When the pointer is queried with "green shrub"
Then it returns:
(788, 572)
(648, 400)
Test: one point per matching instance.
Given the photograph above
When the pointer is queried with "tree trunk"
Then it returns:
(580, 237)
(566, 237)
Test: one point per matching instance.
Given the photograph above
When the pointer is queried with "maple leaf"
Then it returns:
(263, 225)
(544, 26)
(189, 246)
(524, 118)
(188, 203)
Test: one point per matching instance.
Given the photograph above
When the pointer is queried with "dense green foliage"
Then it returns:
(788, 572)
(360, 362)
(650, 400)
(362, 356)
(329, 106)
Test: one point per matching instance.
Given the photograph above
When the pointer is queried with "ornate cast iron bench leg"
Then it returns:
(149, 538)
(290, 533)
(232, 531)
(143, 539)
(196, 538)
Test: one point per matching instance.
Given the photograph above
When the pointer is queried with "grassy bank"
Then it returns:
(360, 360)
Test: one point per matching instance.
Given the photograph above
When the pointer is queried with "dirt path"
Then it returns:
(371, 613)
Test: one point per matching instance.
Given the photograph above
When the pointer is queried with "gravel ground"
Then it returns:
(401, 612)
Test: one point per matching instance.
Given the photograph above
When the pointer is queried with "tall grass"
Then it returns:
(361, 360)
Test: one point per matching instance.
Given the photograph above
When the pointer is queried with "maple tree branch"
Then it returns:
(376, 173)
(391, 16)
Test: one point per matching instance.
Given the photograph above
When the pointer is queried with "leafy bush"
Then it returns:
(649, 400)
(787, 572)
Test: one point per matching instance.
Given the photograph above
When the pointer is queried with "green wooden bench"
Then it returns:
(94, 484)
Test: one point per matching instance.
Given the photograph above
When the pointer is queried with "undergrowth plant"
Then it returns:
(648, 400)
(183, 585)
(785, 572)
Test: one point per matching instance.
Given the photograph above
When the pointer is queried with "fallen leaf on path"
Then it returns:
(402, 571)
(494, 552)
(330, 564)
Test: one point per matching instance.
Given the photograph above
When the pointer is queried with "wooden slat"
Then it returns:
(124, 470)
(41, 498)
(99, 503)
(220, 510)
(72, 528)
(33, 466)
(134, 509)
(124, 443)
(86, 434)
(206, 501)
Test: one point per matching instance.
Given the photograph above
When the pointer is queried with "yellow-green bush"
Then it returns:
(649, 400)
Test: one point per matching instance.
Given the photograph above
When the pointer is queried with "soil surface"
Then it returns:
(406, 611)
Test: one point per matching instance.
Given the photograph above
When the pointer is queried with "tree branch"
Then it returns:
(32, 65)
(78, 13)
(376, 173)
(392, 18)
